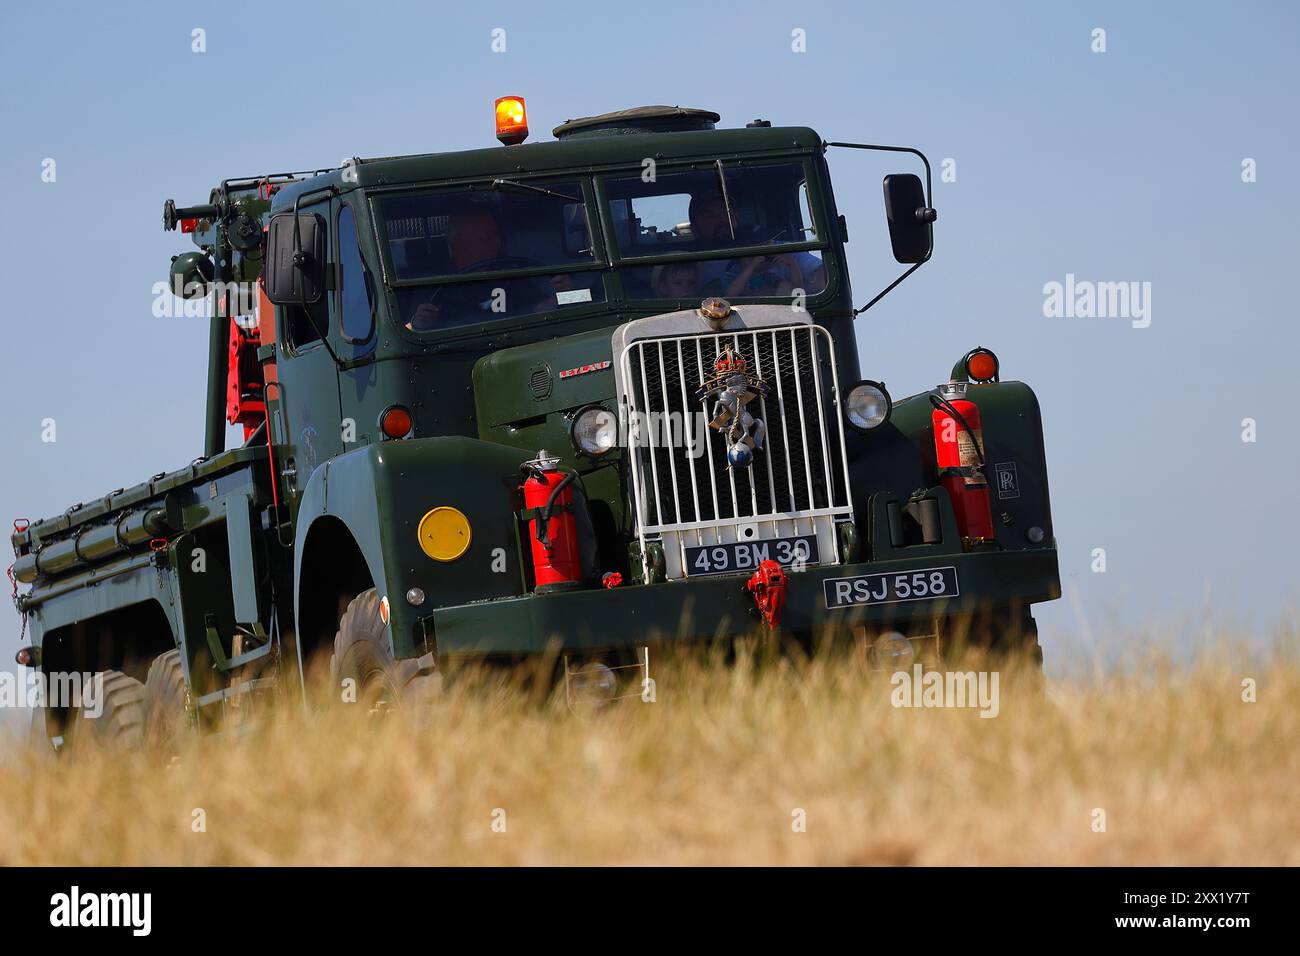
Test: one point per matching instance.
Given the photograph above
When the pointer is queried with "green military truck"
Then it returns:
(573, 398)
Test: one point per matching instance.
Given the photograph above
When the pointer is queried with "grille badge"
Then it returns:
(732, 388)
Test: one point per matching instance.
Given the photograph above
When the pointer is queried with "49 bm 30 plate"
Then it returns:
(747, 555)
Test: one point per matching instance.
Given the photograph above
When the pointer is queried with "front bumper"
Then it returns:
(703, 608)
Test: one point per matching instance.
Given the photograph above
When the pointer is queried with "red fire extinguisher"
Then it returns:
(959, 453)
(548, 498)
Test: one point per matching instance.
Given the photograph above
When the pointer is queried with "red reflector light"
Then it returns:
(395, 422)
(982, 365)
(24, 657)
(189, 225)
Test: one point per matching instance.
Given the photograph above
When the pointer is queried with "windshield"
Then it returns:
(502, 226)
(717, 208)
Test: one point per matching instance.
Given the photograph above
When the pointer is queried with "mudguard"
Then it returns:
(901, 459)
(380, 492)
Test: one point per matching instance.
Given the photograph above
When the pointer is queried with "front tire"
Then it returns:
(363, 669)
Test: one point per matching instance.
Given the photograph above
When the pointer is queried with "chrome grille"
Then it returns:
(801, 469)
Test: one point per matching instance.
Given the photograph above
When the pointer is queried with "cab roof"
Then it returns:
(584, 153)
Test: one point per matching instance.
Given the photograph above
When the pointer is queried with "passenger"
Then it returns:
(776, 276)
(752, 275)
(675, 280)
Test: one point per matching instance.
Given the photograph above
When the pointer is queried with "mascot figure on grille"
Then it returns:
(732, 388)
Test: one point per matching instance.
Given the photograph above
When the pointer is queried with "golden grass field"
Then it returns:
(713, 772)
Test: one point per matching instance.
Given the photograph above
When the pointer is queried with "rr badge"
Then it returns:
(732, 388)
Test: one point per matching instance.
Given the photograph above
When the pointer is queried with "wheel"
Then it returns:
(1013, 634)
(362, 668)
(1005, 634)
(119, 725)
(1022, 638)
(167, 705)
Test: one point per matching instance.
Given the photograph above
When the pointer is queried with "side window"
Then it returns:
(356, 297)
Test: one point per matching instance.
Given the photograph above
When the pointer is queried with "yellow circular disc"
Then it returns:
(444, 534)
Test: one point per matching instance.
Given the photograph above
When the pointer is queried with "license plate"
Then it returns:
(891, 588)
(747, 555)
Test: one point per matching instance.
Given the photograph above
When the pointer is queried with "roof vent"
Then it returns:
(641, 119)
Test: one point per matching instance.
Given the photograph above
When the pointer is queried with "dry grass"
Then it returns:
(1186, 772)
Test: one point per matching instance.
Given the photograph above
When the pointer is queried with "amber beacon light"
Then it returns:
(512, 120)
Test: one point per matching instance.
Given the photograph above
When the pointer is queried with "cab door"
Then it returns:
(354, 303)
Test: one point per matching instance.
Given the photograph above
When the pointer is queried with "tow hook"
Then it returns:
(767, 587)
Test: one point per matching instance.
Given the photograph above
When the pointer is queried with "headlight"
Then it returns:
(892, 652)
(595, 431)
(592, 683)
(867, 405)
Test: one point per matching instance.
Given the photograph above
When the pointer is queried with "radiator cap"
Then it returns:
(715, 310)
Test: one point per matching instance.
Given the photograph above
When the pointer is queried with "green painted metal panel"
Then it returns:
(243, 561)
(702, 608)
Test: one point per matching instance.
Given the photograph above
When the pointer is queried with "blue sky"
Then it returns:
(1117, 166)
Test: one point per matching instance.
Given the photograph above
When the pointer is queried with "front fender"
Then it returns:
(901, 459)
(380, 493)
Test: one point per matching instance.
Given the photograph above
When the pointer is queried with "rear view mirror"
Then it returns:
(295, 259)
(910, 230)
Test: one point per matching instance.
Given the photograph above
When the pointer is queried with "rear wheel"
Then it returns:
(362, 667)
(119, 724)
(167, 706)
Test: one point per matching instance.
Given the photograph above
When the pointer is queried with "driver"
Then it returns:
(475, 245)
(473, 236)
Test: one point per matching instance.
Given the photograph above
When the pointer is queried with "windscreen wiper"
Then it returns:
(726, 200)
(527, 187)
